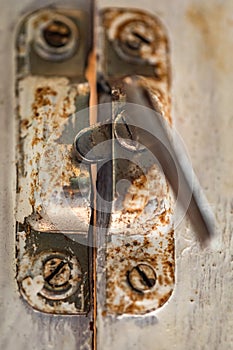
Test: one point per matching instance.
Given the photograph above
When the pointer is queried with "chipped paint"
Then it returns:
(141, 229)
(52, 281)
(124, 253)
(154, 55)
(45, 164)
(146, 206)
(51, 207)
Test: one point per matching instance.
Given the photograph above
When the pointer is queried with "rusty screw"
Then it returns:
(141, 278)
(57, 273)
(56, 39)
(136, 38)
(57, 34)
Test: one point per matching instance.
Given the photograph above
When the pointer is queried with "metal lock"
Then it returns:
(95, 209)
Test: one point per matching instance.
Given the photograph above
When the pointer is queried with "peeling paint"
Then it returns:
(154, 55)
(45, 166)
(67, 294)
(141, 229)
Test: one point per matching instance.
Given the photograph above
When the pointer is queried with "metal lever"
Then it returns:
(164, 150)
(154, 137)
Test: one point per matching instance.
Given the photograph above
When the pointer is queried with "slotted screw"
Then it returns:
(135, 38)
(141, 278)
(62, 275)
(56, 272)
(57, 38)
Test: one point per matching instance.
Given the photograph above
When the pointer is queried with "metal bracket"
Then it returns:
(53, 214)
(139, 265)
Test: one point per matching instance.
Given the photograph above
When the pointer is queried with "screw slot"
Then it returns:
(62, 275)
(142, 278)
(57, 273)
(136, 40)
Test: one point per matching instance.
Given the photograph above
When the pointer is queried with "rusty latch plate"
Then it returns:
(140, 262)
(53, 214)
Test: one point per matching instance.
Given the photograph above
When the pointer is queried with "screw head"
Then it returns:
(141, 278)
(62, 275)
(57, 272)
(135, 40)
(56, 39)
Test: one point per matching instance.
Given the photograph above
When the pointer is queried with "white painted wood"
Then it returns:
(199, 314)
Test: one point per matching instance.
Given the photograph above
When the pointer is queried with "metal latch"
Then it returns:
(95, 206)
(52, 214)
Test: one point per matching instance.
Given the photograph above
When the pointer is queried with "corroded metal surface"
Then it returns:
(124, 253)
(141, 229)
(48, 195)
(146, 206)
(37, 54)
(45, 165)
(53, 192)
(52, 272)
(153, 65)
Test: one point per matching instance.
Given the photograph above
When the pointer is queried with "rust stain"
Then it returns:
(24, 124)
(66, 106)
(135, 201)
(42, 98)
(164, 218)
(156, 52)
(164, 298)
(121, 258)
(110, 16)
(144, 222)
(41, 177)
(36, 140)
(143, 207)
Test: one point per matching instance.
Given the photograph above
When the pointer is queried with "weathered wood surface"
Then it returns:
(199, 313)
